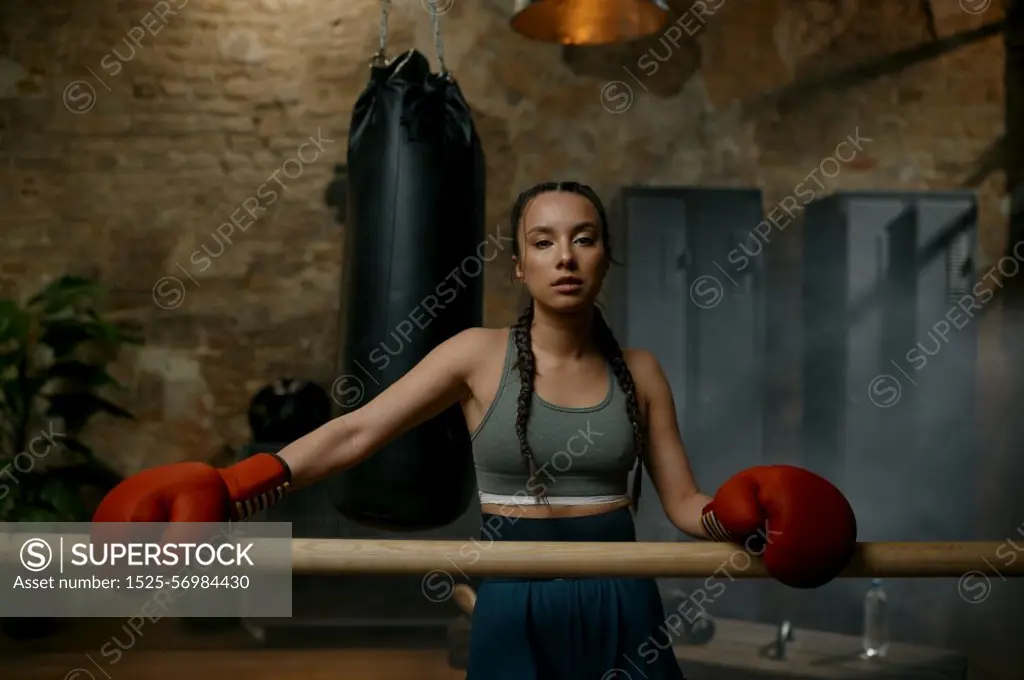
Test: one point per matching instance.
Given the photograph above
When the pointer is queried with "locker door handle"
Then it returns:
(882, 251)
(967, 268)
(960, 267)
(753, 261)
(747, 279)
(675, 260)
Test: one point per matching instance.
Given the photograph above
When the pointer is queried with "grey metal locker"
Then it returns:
(685, 295)
(884, 378)
(889, 347)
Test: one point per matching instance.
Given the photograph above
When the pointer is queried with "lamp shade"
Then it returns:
(589, 22)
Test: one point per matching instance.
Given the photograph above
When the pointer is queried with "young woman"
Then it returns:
(560, 415)
(558, 383)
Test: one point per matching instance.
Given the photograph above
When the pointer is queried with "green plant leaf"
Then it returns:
(105, 332)
(12, 357)
(62, 286)
(81, 373)
(18, 398)
(62, 493)
(14, 324)
(64, 335)
(12, 365)
(63, 317)
(67, 292)
(76, 408)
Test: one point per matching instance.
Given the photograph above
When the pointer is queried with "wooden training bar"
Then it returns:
(681, 560)
(552, 560)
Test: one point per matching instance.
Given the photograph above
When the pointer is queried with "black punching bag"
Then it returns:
(411, 279)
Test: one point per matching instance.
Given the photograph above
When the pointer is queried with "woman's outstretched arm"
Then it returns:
(438, 381)
(666, 459)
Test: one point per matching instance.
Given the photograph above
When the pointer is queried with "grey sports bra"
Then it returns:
(578, 451)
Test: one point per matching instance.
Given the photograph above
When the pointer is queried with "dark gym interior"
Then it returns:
(800, 192)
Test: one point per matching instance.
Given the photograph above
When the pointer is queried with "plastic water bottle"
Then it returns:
(876, 621)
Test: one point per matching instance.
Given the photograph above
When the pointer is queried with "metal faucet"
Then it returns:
(783, 636)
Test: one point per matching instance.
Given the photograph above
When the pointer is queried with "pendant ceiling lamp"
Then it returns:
(589, 22)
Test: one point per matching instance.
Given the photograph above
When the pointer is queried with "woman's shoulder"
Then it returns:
(481, 334)
(640, 359)
(644, 367)
(481, 351)
(482, 342)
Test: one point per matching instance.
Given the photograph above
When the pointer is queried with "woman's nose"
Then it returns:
(566, 258)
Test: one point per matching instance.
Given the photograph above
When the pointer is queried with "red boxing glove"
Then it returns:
(197, 492)
(806, 525)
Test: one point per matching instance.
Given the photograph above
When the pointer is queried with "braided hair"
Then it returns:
(604, 340)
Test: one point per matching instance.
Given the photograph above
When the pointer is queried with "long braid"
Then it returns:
(521, 335)
(609, 347)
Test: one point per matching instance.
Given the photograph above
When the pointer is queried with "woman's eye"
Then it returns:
(585, 240)
(542, 243)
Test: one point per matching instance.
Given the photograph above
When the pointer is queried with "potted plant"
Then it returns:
(54, 353)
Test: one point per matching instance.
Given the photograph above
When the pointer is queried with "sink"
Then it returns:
(740, 651)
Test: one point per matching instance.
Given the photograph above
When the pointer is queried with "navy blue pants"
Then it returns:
(568, 629)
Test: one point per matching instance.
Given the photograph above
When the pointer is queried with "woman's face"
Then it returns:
(561, 258)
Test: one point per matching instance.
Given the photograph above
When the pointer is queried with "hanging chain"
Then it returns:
(380, 58)
(435, 19)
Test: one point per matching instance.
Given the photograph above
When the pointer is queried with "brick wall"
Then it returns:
(131, 130)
